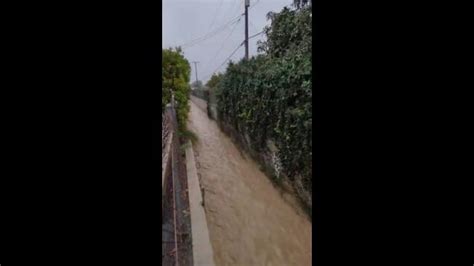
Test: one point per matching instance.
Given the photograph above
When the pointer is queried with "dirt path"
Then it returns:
(249, 221)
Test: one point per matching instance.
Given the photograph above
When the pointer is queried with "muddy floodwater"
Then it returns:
(250, 221)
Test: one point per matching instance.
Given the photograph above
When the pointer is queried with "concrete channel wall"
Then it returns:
(202, 253)
(166, 140)
(202, 249)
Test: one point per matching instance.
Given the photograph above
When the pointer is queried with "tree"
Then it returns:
(290, 31)
(214, 81)
(175, 74)
(301, 3)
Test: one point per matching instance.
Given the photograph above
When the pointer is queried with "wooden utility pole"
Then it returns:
(196, 69)
(247, 3)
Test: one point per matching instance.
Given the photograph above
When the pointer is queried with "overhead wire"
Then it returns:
(217, 30)
(256, 34)
(210, 34)
(250, 22)
(232, 7)
(215, 15)
(225, 61)
(256, 2)
(240, 6)
(222, 46)
(253, 36)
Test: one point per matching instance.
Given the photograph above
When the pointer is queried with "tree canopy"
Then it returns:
(175, 75)
(301, 3)
(214, 81)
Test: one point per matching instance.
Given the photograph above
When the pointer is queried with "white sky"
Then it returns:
(186, 20)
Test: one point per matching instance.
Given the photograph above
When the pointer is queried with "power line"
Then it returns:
(213, 33)
(229, 56)
(239, 7)
(256, 34)
(215, 14)
(256, 2)
(253, 25)
(196, 70)
(226, 59)
(222, 46)
(244, 42)
(210, 34)
(231, 9)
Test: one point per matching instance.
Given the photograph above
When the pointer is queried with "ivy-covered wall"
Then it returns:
(212, 100)
(201, 93)
(267, 101)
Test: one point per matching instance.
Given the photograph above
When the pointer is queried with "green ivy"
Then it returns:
(269, 97)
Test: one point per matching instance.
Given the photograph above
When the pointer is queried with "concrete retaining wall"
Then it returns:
(202, 248)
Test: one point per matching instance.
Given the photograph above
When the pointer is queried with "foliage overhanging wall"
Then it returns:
(268, 99)
(175, 75)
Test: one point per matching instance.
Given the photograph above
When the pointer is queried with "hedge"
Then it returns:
(269, 97)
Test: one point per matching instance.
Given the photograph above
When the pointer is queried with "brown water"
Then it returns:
(250, 222)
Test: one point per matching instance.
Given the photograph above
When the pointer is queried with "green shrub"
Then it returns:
(269, 97)
(175, 77)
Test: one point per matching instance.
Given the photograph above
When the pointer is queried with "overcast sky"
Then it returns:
(186, 20)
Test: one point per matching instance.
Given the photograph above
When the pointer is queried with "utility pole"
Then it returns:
(196, 69)
(247, 3)
(173, 67)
